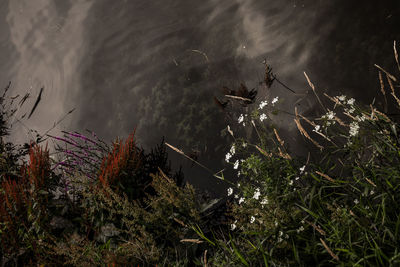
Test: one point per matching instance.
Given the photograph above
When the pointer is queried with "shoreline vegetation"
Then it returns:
(118, 205)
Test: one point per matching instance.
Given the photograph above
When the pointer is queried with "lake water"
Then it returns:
(156, 65)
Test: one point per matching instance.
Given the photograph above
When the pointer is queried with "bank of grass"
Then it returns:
(119, 205)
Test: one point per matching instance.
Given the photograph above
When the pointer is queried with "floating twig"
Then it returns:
(37, 102)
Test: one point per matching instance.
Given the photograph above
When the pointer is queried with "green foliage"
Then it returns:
(339, 206)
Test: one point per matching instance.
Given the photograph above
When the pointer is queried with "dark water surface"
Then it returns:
(130, 64)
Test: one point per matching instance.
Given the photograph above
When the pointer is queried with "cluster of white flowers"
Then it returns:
(241, 200)
(351, 101)
(316, 129)
(229, 155)
(360, 118)
(301, 229)
(302, 169)
(241, 118)
(236, 164)
(291, 182)
(280, 239)
(330, 115)
(230, 191)
(252, 219)
(341, 98)
(274, 100)
(262, 104)
(263, 117)
(349, 110)
(233, 225)
(264, 201)
(257, 194)
(354, 128)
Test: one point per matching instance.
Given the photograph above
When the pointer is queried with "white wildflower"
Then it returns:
(230, 191)
(252, 219)
(297, 178)
(280, 240)
(238, 185)
(317, 127)
(236, 165)
(360, 118)
(349, 143)
(356, 201)
(236, 196)
(276, 223)
(351, 101)
(241, 200)
(302, 169)
(263, 117)
(227, 157)
(300, 229)
(241, 118)
(291, 182)
(372, 192)
(263, 104)
(342, 97)
(233, 225)
(274, 100)
(330, 115)
(238, 174)
(280, 233)
(354, 127)
(244, 144)
(350, 110)
(264, 201)
(232, 150)
(257, 194)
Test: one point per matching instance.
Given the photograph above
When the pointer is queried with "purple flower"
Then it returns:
(82, 137)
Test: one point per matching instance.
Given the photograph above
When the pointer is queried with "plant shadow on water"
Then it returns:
(118, 205)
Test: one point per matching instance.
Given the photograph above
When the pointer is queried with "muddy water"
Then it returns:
(155, 65)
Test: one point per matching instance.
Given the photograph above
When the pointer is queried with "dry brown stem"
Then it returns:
(396, 56)
(329, 250)
(239, 98)
(313, 88)
(318, 228)
(264, 152)
(303, 132)
(281, 142)
(387, 73)
(325, 176)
